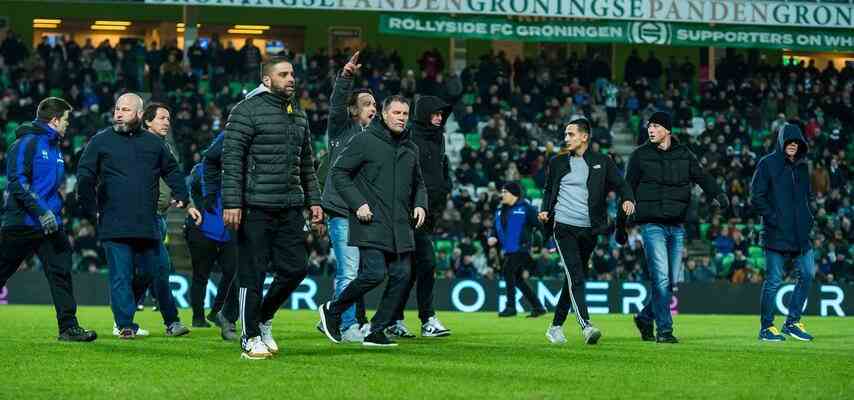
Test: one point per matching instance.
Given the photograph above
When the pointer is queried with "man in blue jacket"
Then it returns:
(514, 224)
(32, 211)
(780, 193)
(117, 184)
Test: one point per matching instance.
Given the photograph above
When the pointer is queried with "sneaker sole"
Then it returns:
(247, 356)
(799, 338)
(594, 338)
(181, 333)
(272, 351)
(771, 340)
(435, 335)
(323, 324)
(83, 340)
(555, 341)
(371, 344)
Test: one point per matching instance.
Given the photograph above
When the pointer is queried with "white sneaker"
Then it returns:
(255, 349)
(267, 336)
(139, 332)
(434, 328)
(591, 334)
(400, 330)
(352, 335)
(366, 329)
(555, 335)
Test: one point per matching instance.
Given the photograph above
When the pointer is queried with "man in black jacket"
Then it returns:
(575, 208)
(428, 132)
(32, 211)
(379, 177)
(661, 174)
(268, 178)
(350, 113)
(117, 180)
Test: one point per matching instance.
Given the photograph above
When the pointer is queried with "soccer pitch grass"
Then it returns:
(719, 358)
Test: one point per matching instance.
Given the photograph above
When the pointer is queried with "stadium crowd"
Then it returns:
(511, 113)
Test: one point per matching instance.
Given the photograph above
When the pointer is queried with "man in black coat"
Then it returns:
(428, 132)
(661, 174)
(575, 210)
(379, 177)
(268, 179)
(117, 181)
(780, 192)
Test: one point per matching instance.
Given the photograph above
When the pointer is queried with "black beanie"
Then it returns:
(662, 118)
(513, 188)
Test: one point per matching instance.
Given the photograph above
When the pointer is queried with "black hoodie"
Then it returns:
(431, 146)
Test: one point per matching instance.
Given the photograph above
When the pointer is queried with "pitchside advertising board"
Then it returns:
(479, 295)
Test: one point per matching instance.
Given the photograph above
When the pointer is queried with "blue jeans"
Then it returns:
(662, 246)
(774, 262)
(346, 264)
(122, 257)
(160, 276)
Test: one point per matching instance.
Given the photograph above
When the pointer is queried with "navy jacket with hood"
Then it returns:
(780, 192)
(35, 170)
(514, 226)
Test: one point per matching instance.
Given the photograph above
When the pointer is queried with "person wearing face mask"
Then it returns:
(379, 177)
(574, 212)
(350, 113)
(780, 192)
(428, 133)
(268, 179)
(117, 185)
(661, 174)
(32, 211)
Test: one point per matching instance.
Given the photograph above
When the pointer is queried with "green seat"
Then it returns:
(445, 245)
(56, 92)
(758, 263)
(77, 142)
(473, 140)
(704, 231)
(634, 123)
(2, 182)
(755, 251)
(726, 264)
(205, 86)
(235, 87)
(534, 193)
(528, 183)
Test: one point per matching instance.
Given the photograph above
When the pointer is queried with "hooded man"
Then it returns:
(780, 193)
(428, 132)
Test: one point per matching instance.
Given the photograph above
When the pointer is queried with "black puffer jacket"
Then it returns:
(661, 181)
(382, 171)
(267, 158)
(431, 146)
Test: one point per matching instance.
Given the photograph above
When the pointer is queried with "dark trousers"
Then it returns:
(54, 251)
(157, 281)
(374, 265)
(514, 266)
(274, 239)
(205, 253)
(575, 246)
(423, 273)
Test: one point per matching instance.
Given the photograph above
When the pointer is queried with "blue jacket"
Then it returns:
(514, 226)
(35, 170)
(780, 193)
(213, 226)
(118, 177)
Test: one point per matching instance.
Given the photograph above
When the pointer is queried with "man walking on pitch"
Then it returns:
(661, 174)
(268, 179)
(514, 225)
(574, 212)
(118, 177)
(32, 211)
(780, 193)
(428, 133)
(350, 113)
(379, 177)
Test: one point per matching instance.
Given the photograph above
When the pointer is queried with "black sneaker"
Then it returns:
(330, 323)
(645, 329)
(536, 313)
(212, 317)
(378, 339)
(666, 338)
(200, 323)
(77, 334)
(507, 313)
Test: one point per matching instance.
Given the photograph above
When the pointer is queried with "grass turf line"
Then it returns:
(719, 357)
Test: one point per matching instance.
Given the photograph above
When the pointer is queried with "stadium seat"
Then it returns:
(56, 92)
(235, 87)
(726, 264)
(528, 183)
(534, 193)
(445, 245)
(634, 123)
(704, 231)
(755, 251)
(473, 140)
(205, 86)
(2, 182)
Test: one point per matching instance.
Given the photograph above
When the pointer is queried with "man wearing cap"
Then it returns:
(780, 193)
(514, 224)
(661, 174)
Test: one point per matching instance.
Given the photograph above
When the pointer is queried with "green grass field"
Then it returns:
(719, 357)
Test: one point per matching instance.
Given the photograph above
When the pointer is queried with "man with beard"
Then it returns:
(268, 178)
(379, 177)
(32, 211)
(117, 185)
(350, 113)
(428, 132)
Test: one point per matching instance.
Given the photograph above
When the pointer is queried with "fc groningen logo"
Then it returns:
(649, 33)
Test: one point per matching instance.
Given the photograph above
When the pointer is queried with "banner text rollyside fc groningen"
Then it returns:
(740, 12)
(658, 33)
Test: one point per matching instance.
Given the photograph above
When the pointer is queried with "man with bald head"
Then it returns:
(117, 185)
